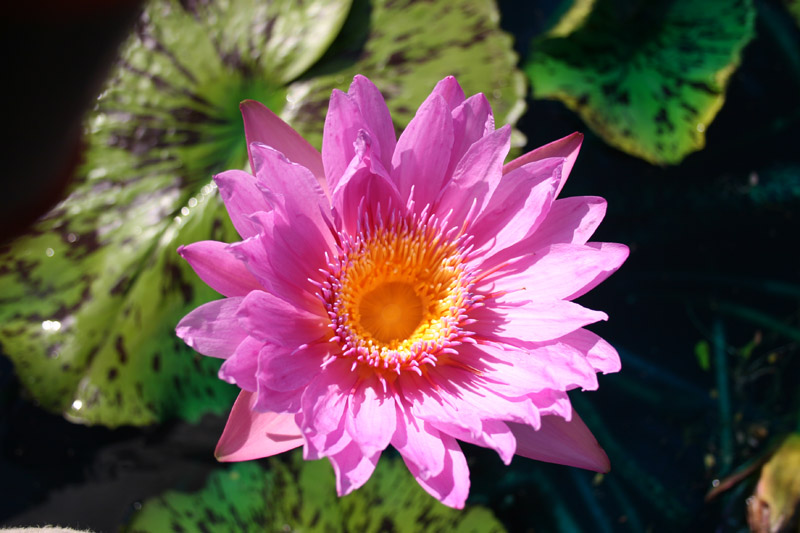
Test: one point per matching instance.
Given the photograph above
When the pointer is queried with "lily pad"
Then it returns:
(89, 297)
(300, 496)
(648, 77)
(405, 59)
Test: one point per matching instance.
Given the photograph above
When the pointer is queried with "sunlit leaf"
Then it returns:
(775, 507)
(570, 15)
(89, 298)
(648, 77)
(406, 57)
(301, 496)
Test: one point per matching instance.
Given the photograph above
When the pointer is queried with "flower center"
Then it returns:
(397, 295)
(391, 311)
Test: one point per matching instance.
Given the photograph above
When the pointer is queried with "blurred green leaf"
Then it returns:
(300, 496)
(794, 8)
(90, 296)
(569, 16)
(647, 77)
(702, 350)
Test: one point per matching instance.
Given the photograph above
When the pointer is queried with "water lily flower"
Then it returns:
(411, 291)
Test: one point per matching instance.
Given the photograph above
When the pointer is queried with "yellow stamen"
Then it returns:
(398, 295)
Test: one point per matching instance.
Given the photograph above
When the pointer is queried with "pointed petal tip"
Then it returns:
(252, 435)
(563, 442)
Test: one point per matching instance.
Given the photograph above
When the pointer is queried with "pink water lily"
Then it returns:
(411, 291)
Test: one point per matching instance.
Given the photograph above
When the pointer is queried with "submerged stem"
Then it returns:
(721, 364)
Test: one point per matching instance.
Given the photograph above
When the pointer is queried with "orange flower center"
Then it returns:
(398, 294)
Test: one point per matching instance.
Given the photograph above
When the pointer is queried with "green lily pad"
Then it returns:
(648, 77)
(89, 298)
(385, 41)
(300, 496)
(91, 295)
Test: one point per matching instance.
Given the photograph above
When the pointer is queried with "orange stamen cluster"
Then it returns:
(398, 293)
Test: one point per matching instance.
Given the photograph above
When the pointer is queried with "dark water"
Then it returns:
(714, 258)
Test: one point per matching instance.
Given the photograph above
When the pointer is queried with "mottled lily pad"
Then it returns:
(89, 297)
(300, 496)
(404, 57)
(648, 77)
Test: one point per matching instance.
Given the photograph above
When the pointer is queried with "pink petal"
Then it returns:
(519, 204)
(376, 116)
(365, 180)
(561, 271)
(561, 442)
(274, 320)
(242, 199)
(472, 120)
(263, 126)
(371, 416)
(552, 402)
(494, 434)
(449, 90)
(613, 254)
(431, 403)
(475, 176)
(519, 371)
(295, 184)
(282, 272)
(215, 264)
(599, 353)
(422, 154)
(571, 220)
(352, 468)
(451, 485)
(326, 396)
(251, 435)
(479, 397)
(296, 252)
(276, 401)
(566, 148)
(291, 369)
(252, 252)
(510, 317)
(213, 328)
(342, 124)
(241, 367)
(420, 444)
(319, 445)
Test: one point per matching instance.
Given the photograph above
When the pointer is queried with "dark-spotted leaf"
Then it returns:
(648, 77)
(405, 57)
(89, 298)
(301, 496)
